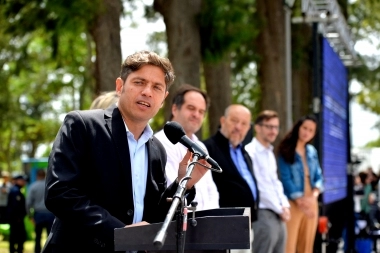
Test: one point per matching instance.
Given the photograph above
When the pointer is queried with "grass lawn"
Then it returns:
(28, 245)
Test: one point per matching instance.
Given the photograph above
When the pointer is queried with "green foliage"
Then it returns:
(229, 28)
(157, 42)
(373, 144)
(53, 16)
(369, 78)
(226, 26)
(150, 14)
(364, 20)
(46, 59)
(246, 90)
(158, 122)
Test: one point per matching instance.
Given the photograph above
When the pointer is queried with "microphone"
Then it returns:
(175, 134)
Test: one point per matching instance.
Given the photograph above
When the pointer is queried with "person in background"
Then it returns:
(375, 179)
(36, 209)
(16, 213)
(189, 107)
(273, 212)
(358, 183)
(106, 170)
(301, 176)
(358, 192)
(4, 191)
(237, 185)
(369, 201)
(104, 100)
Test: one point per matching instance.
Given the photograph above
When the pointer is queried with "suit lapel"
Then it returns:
(250, 167)
(156, 183)
(232, 164)
(115, 124)
(152, 157)
(226, 150)
(248, 160)
(224, 144)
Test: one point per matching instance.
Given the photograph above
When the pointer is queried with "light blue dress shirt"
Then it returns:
(139, 164)
(241, 165)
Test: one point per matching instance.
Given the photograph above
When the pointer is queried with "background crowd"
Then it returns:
(19, 203)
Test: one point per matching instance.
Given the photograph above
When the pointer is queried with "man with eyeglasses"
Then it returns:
(273, 212)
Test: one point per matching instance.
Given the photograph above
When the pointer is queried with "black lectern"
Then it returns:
(217, 229)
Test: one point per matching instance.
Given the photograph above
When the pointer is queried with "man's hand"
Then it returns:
(198, 170)
(141, 223)
(285, 216)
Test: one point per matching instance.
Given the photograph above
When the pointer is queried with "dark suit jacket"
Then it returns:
(233, 189)
(89, 182)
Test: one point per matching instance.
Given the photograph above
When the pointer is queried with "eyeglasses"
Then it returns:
(270, 127)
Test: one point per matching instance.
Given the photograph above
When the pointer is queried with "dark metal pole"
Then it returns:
(178, 198)
(288, 67)
(350, 232)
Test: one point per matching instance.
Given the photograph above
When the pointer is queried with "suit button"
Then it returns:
(130, 212)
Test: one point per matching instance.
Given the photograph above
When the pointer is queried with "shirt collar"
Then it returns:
(194, 138)
(260, 147)
(147, 133)
(237, 147)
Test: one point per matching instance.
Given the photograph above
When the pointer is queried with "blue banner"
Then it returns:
(334, 125)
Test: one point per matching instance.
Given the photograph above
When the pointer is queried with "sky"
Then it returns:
(362, 121)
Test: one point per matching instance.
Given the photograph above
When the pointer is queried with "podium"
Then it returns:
(216, 230)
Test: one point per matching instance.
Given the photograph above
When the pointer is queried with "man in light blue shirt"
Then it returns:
(241, 165)
(106, 170)
(237, 185)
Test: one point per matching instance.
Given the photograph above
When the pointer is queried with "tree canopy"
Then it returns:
(51, 59)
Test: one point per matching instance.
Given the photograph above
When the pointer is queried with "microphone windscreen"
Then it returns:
(173, 131)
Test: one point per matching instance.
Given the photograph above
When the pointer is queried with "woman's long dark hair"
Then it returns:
(287, 146)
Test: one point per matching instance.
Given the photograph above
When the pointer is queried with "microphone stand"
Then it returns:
(179, 206)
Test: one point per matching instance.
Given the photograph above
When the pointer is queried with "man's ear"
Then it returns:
(256, 127)
(174, 109)
(119, 85)
(221, 120)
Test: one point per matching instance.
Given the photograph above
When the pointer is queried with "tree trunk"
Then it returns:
(271, 65)
(106, 34)
(183, 38)
(302, 70)
(218, 83)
